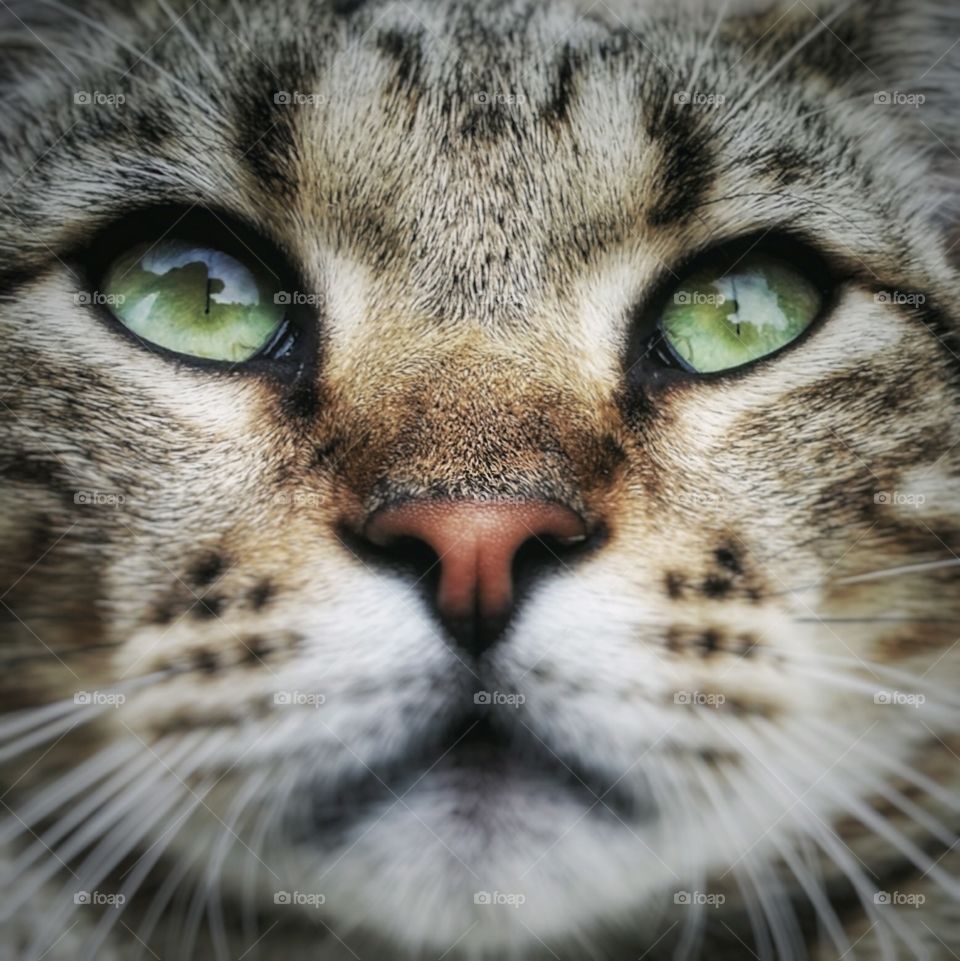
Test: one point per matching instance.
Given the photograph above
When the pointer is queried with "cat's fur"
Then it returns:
(482, 197)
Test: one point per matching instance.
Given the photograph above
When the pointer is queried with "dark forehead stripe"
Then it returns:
(563, 86)
(406, 51)
(688, 165)
(265, 130)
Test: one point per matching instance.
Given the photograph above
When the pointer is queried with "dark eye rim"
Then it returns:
(651, 358)
(289, 349)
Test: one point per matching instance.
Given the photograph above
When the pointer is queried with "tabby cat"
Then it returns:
(481, 479)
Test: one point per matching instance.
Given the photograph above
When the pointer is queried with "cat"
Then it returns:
(480, 480)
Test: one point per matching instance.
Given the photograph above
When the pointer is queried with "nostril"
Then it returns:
(405, 554)
(547, 555)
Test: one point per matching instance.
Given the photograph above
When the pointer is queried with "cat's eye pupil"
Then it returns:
(194, 299)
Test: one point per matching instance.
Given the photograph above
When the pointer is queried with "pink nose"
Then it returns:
(476, 543)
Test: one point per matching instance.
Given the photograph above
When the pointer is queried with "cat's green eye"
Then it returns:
(719, 318)
(194, 299)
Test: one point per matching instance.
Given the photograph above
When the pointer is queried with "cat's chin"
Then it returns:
(491, 845)
(489, 860)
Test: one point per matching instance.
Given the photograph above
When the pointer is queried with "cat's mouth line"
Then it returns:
(474, 760)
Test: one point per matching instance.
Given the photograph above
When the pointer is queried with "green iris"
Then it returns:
(720, 319)
(194, 300)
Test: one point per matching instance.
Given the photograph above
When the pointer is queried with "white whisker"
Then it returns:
(61, 790)
(88, 832)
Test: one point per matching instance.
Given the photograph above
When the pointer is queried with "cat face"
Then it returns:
(484, 602)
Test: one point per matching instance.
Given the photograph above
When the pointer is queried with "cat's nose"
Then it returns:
(475, 546)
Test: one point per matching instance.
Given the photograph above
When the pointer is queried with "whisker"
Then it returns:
(108, 810)
(161, 898)
(61, 790)
(206, 105)
(876, 575)
(846, 682)
(893, 675)
(813, 890)
(180, 24)
(127, 830)
(854, 806)
(18, 722)
(883, 789)
(268, 821)
(937, 791)
(877, 619)
(823, 836)
(141, 870)
(692, 933)
(821, 25)
(207, 886)
(780, 918)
